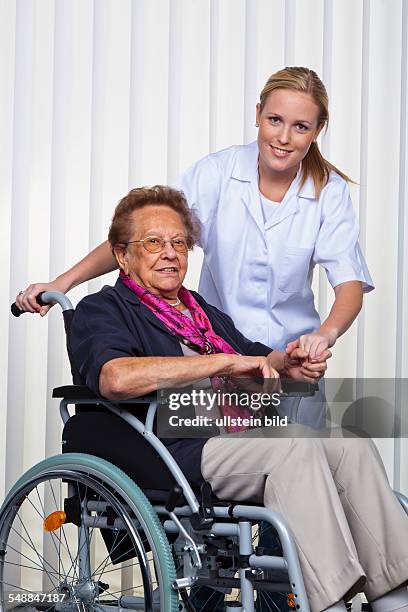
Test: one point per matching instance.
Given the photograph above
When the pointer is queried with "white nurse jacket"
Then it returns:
(260, 273)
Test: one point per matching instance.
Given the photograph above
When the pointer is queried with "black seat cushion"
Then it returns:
(106, 435)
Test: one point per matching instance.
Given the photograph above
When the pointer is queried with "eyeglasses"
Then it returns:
(155, 244)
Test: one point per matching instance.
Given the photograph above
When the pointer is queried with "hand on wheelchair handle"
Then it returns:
(17, 311)
(27, 300)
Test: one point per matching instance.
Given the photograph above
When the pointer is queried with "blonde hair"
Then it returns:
(306, 81)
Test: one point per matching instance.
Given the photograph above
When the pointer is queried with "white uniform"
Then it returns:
(261, 273)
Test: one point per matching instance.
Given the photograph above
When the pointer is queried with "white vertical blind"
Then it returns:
(401, 446)
(99, 96)
(7, 60)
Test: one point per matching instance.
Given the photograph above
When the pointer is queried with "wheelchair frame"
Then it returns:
(194, 520)
(242, 513)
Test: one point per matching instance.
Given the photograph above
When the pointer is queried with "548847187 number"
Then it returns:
(19, 597)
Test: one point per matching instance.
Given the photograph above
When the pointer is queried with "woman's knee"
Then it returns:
(307, 451)
(356, 453)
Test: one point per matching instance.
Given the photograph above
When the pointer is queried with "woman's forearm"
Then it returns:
(128, 377)
(346, 306)
(97, 262)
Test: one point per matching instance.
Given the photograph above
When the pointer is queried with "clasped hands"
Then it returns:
(295, 363)
(300, 363)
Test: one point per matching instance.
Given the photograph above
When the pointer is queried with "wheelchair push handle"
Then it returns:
(47, 297)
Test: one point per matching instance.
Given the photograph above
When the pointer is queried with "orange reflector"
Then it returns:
(291, 600)
(55, 520)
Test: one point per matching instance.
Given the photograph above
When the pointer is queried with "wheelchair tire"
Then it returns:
(96, 497)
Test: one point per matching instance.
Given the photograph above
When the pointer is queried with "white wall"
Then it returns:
(99, 96)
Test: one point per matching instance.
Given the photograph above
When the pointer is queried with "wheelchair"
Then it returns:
(113, 524)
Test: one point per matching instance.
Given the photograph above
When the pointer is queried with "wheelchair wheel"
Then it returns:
(76, 533)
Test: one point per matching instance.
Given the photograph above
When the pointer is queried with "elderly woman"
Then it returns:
(127, 339)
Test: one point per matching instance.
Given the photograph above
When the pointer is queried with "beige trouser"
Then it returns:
(351, 532)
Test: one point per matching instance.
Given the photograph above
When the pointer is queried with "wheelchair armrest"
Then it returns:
(298, 388)
(81, 392)
(74, 392)
(78, 392)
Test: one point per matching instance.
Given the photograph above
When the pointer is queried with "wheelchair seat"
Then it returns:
(106, 435)
(97, 431)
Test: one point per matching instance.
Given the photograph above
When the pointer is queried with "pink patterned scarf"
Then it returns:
(199, 333)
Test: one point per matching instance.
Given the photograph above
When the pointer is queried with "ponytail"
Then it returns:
(318, 168)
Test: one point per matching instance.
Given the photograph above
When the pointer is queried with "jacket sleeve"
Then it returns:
(99, 333)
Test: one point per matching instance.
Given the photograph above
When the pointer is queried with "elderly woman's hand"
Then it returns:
(26, 299)
(248, 367)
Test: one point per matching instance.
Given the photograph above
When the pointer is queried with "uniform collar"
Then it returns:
(245, 169)
(245, 166)
(308, 190)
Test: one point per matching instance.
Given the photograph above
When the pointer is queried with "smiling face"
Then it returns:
(161, 273)
(288, 124)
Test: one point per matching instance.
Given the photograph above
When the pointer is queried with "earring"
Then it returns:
(256, 124)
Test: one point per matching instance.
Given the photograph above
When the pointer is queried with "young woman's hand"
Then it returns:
(314, 344)
(26, 299)
(298, 365)
(97, 262)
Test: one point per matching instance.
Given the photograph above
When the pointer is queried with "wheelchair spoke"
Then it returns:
(39, 568)
(105, 563)
(52, 534)
(266, 598)
(40, 558)
(212, 594)
(115, 569)
(74, 561)
(57, 506)
(42, 516)
(106, 560)
(88, 540)
(20, 588)
(138, 586)
(111, 594)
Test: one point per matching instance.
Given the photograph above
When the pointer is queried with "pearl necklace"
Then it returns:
(176, 303)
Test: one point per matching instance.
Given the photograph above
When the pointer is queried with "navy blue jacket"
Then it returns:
(114, 323)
